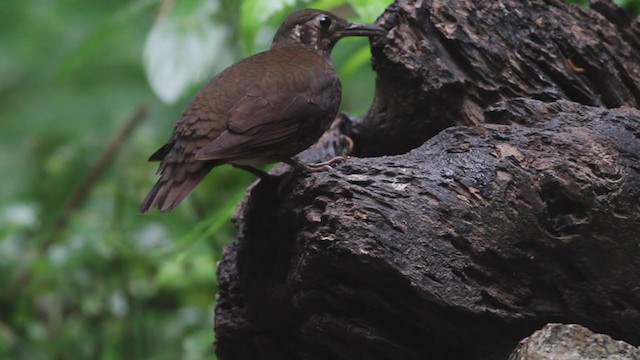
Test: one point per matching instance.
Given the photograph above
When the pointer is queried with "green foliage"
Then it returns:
(183, 47)
(100, 280)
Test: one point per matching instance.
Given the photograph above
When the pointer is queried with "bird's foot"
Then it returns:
(318, 167)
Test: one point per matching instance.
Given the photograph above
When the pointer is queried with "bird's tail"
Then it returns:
(174, 185)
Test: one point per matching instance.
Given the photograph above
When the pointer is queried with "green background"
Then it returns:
(97, 279)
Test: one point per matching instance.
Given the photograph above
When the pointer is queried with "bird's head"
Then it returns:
(319, 30)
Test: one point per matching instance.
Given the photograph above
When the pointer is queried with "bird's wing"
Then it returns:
(273, 115)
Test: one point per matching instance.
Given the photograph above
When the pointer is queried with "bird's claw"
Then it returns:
(315, 168)
(318, 167)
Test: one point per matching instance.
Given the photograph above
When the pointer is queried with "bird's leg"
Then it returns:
(255, 171)
(332, 161)
(322, 166)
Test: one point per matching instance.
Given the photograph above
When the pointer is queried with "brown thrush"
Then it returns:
(263, 109)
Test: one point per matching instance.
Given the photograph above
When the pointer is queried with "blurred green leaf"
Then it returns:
(361, 57)
(254, 14)
(326, 4)
(106, 32)
(182, 47)
(369, 10)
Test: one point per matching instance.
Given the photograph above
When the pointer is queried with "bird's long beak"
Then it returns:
(360, 29)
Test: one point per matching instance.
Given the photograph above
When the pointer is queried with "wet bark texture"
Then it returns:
(519, 204)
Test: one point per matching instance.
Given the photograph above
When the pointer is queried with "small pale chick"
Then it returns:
(263, 109)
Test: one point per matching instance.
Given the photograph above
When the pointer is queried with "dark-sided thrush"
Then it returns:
(263, 109)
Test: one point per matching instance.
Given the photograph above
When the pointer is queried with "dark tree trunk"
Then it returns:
(526, 213)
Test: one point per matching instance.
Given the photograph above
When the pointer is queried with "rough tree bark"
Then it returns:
(521, 205)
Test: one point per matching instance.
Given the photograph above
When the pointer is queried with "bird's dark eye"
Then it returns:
(325, 22)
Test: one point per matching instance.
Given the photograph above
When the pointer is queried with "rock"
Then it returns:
(572, 342)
